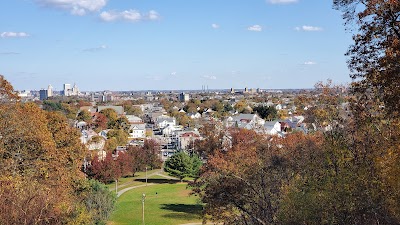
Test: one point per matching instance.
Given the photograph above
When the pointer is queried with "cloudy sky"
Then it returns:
(171, 44)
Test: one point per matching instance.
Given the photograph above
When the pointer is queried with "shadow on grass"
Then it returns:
(158, 181)
(183, 211)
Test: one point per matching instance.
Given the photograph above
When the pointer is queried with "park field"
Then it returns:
(165, 204)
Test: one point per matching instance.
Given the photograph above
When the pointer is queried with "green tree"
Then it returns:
(266, 112)
(179, 165)
(98, 200)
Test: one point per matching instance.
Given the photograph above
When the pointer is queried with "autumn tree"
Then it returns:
(242, 184)
(146, 156)
(374, 56)
(111, 116)
(105, 170)
(84, 115)
(7, 92)
(100, 121)
(374, 64)
(40, 157)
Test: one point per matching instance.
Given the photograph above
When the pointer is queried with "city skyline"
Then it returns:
(172, 45)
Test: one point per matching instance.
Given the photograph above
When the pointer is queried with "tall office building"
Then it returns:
(75, 90)
(43, 94)
(67, 90)
(184, 97)
(49, 91)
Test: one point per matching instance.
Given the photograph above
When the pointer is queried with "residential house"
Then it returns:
(164, 121)
(137, 131)
(134, 119)
(186, 139)
(247, 121)
(194, 115)
(169, 130)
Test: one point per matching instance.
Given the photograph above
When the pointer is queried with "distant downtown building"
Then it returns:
(46, 93)
(68, 91)
(184, 97)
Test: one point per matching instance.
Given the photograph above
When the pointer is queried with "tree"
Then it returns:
(40, 158)
(182, 165)
(116, 138)
(375, 54)
(84, 115)
(266, 112)
(146, 156)
(98, 200)
(106, 170)
(151, 152)
(100, 121)
(7, 92)
(111, 116)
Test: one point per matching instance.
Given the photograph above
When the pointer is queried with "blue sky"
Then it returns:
(171, 44)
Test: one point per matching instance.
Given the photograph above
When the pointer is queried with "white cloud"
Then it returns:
(173, 73)
(308, 28)
(9, 53)
(13, 34)
(282, 1)
(215, 26)
(153, 15)
(309, 63)
(101, 47)
(257, 28)
(75, 7)
(210, 77)
(130, 15)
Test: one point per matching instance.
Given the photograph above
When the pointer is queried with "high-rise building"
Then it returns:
(75, 90)
(50, 90)
(67, 90)
(43, 94)
(184, 97)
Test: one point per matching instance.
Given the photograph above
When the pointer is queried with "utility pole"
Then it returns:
(116, 186)
(143, 198)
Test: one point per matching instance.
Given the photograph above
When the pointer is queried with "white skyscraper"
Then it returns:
(75, 90)
(67, 90)
(50, 90)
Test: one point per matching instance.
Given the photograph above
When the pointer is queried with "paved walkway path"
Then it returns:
(158, 173)
(130, 188)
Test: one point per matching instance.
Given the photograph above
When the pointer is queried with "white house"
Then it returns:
(194, 115)
(164, 121)
(169, 130)
(247, 121)
(272, 127)
(137, 131)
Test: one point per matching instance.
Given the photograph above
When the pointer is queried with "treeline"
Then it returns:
(348, 175)
(116, 164)
(346, 171)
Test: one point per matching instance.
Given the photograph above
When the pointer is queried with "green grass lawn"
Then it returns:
(165, 204)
